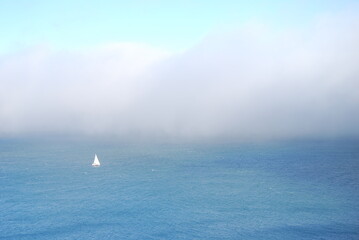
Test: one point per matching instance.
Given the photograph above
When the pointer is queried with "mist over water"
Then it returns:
(253, 82)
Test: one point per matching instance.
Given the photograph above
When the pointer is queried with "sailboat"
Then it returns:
(96, 162)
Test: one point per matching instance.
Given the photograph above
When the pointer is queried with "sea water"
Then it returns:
(287, 190)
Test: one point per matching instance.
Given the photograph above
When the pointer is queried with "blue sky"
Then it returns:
(172, 25)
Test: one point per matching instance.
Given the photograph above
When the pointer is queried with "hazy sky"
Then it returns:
(173, 25)
(180, 69)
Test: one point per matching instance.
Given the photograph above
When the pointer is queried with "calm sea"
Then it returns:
(291, 190)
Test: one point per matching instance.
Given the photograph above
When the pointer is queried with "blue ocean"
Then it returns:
(267, 190)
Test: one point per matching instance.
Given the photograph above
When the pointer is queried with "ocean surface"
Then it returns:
(282, 190)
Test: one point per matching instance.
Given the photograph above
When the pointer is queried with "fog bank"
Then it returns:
(253, 82)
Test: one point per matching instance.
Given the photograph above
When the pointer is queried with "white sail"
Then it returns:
(96, 162)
